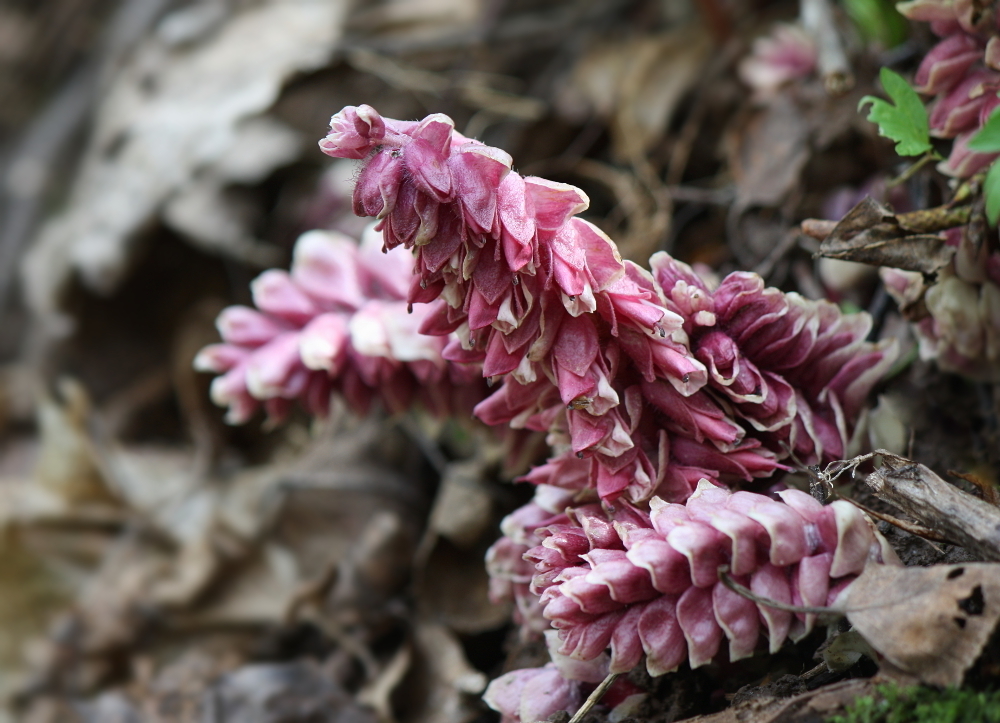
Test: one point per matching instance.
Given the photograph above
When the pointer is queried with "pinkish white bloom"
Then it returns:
(337, 321)
(788, 53)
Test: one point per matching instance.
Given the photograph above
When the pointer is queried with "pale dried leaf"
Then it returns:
(768, 153)
(444, 678)
(174, 111)
(637, 84)
(463, 508)
(931, 622)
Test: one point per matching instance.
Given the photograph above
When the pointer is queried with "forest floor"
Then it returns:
(157, 564)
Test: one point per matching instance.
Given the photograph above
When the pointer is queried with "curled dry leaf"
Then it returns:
(768, 153)
(463, 509)
(870, 233)
(441, 685)
(450, 578)
(67, 463)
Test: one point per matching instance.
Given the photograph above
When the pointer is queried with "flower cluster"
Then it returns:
(337, 322)
(656, 391)
(646, 583)
(796, 371)
(962, 72)
(957, 319)
(645, 382)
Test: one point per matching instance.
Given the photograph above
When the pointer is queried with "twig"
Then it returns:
(594, 697)
(817, 18)
(917, 491)
(920, 531)
(930, 220)
(742, 591)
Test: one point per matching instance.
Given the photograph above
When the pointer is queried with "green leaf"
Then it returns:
(906, 121)
(987, 140)
(878, 20)
(991, 189)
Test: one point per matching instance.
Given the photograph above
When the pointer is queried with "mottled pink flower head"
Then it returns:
(798, 371)
(647, 583)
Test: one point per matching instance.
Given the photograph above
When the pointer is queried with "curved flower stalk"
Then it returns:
(646, 583)
(337, 322)
(962, 73)
(588, 346)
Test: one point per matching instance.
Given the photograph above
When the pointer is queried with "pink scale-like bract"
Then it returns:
(337, 322)
(646, 583)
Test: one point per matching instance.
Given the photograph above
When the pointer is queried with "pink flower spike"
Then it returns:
(673, 599)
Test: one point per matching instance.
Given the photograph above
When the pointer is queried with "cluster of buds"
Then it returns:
(645, 382)
(962, 72)
(645, 583)
(956, 319)
(337, 322)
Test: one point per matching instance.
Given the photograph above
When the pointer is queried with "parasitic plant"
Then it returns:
(656, 389)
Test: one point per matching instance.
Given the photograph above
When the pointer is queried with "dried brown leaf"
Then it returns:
(442, 686)
(768, 153)
(870, 233)
(636, 83)
(183, 106)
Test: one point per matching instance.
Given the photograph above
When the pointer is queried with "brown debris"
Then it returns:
(872, 234)
(961, 518)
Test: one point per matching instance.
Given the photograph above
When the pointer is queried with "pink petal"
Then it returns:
(697, 619)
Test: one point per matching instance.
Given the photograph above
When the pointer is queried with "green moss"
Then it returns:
(923, 705)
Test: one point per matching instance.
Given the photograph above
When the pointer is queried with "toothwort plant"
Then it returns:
(657, 391)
